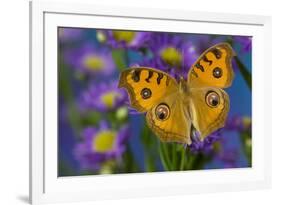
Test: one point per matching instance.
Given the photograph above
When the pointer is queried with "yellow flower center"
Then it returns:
(104, 141)
(126, 36)
(109, 98)
(246, 121)
(171, 56)
(122, 113)
(107, 167)
(101, 37)
(249, 142)
(93, 63)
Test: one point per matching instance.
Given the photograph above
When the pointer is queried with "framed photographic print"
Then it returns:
(130, 102)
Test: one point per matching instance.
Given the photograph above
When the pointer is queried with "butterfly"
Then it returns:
(175, 108)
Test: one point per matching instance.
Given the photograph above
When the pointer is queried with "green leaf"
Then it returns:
(247, 145)
(65, 169)
(91, 118)
(129, 165)
(66, 90)
(120, 58)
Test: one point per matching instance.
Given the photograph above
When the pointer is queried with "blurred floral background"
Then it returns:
(98, 131)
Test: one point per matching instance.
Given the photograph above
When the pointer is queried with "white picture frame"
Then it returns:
(46, 187)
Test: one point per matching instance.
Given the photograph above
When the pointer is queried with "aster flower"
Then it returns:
(206, 145)
(63, 114)
(238, 123)
(103, 97)
(229, 158)
(70, 34)
(245, 42)
(91, 60)
(172, 54)
(203, 42)
(100, 145)
(123, 39)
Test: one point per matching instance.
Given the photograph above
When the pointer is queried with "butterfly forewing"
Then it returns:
(213, 68)
(147, 86)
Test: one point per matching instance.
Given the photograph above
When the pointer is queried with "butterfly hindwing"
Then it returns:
(213, 68)
(209, 108)
(146, 86)
(176, 126)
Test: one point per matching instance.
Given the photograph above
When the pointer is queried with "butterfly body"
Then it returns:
(173, 109)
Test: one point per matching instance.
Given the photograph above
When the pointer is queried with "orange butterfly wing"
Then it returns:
(141, 80)
(213, 68)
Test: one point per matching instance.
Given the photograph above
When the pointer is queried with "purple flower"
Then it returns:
(70, 34)
(99, 145)
(91, 60)
(206, 145)
(238, 123)
(245, 42)
(103, 97)
(204, 42)
(123, 39)
(229, 158)
(171, 53)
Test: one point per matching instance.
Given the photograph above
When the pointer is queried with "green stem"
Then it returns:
(190, 160)
(163, 160)
(164, 155)
(183, 155)
(244, 72)
(174, 157)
